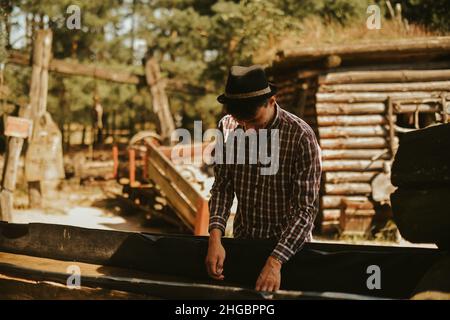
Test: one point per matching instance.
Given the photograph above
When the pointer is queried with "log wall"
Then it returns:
(348, 109)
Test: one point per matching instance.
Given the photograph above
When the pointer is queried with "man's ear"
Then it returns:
(272, 101)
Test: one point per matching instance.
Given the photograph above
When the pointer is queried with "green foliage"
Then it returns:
(196, 41)
(434, 14)
(342, 11)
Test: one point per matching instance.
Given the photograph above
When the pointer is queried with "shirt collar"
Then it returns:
(276, 120)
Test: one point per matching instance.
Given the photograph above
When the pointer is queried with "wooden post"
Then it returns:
(38, 95)
(115, 154)
(444, 108)
(9, 175)
(132, 165)
(159, 98)
(145, 168)
(390, 116)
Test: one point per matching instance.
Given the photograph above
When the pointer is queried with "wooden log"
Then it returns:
(279, 68)
(356, 154)
(348, 176)
(362, 109)
(373, 96)
(353, 131)
(350, 108)
(422, 215)
(384, 76)
(117, 75)
(38, 95)
(354, 120)
(160, 101)
(376, 48)
(420, 107)
(387, 87)
(352, 205)
(423, 158)
(335, 201)
(14, 288)
(68, 67)
(352, 165)
(349, 188)
(354, 143)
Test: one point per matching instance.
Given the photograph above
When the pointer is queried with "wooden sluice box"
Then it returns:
(36, 261)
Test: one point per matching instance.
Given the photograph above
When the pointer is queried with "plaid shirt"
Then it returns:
(282, 206)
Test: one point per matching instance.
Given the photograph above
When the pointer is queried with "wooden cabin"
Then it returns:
(359, 98)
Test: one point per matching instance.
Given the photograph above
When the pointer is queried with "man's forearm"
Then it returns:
(215, 235)
(293, 237)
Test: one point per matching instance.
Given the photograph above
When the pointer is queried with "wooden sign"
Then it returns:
(18, 127)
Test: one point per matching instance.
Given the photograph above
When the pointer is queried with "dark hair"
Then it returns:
(245, 110)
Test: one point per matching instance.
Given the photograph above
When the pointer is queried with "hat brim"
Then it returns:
(224, 99)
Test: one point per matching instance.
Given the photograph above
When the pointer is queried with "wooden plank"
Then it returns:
(355, 154)
(15, 288)
(366, 109)
(384, 76)
(375, 48)
(354, 143)
(353, 120)
(353, 131)
(349, 188)
(171, 173)
(373, 96)
(387, 87)
(345, 108)
(182, 206)
(400, 107)
(352, 165)
(335, 201)
(348, 176)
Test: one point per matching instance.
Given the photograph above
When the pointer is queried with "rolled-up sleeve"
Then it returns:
(222, 195)
(304, 199)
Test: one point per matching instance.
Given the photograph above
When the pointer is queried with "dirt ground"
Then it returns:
(88, 206)
(94, 205)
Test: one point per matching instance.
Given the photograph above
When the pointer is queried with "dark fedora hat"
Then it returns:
(247, 84)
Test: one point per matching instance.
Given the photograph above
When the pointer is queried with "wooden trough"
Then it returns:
(38, 260)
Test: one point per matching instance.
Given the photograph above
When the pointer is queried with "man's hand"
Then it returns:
(270, 277)
(216, 255)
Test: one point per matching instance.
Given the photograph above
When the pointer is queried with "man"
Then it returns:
(280, 206)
